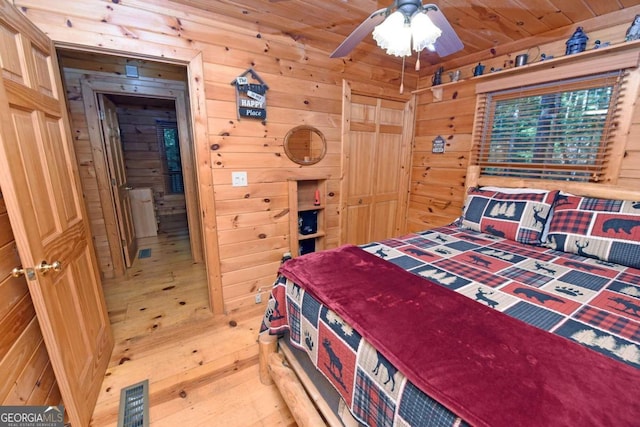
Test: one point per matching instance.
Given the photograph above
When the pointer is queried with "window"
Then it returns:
(170, 151)
(560, 130)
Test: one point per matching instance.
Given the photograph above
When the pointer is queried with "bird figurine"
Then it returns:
(633, 33)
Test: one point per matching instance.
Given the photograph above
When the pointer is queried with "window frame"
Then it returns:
(161, 125)
(545, 162)
(566, 68)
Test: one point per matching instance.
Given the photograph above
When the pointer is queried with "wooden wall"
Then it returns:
(25, 368)
(437, 180)
(144, 161)
(246, 228)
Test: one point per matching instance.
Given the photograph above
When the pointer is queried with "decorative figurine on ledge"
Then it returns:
(437, 77)
(633, 33)
(577, 42)
(478, 70)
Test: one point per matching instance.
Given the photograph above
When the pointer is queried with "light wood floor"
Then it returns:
(202, 369)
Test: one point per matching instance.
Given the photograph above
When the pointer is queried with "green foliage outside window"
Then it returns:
(173, 164)
(549, 132)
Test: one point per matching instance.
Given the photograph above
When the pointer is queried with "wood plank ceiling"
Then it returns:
(482, 25)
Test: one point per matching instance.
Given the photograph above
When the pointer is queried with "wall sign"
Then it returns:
(438, 145)
(251, 95)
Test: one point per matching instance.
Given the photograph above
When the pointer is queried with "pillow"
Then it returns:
(518, 190)
(513, 190)
(514, 216)
(608, 230)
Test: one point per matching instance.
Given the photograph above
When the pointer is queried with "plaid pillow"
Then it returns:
(608, 230)
(515, 216)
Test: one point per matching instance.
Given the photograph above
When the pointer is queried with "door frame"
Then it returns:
(166, 89)
(198, 127)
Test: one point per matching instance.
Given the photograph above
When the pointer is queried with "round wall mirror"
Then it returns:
(305, 145)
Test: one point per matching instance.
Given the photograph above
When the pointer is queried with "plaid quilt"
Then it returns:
(594, 303)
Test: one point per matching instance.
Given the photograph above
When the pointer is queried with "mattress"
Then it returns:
(590, 302)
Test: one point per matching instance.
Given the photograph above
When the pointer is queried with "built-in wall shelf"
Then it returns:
(307, 201)
(612, 54)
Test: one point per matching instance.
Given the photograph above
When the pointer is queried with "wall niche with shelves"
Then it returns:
(307, 202)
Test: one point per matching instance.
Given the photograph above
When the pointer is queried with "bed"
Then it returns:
(525, 311)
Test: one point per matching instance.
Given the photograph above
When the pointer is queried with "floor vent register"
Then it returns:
(134, 405)
(144, 253)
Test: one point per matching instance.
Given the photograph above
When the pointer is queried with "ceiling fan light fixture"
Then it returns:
(424, 32)
(400, 32)
(386, 22)
(394, 34)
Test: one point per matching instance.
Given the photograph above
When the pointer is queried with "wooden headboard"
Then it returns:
(589, 189)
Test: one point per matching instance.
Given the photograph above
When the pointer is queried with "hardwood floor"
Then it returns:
(202, 369)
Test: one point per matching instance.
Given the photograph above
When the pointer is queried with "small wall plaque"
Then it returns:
(438, 145)
(251, 95)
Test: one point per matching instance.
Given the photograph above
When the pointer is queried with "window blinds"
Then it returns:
(559, 130)
(556, 121)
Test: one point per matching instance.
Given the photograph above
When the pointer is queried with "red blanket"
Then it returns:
(488, 368)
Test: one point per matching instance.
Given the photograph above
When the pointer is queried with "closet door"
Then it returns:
(377, 136)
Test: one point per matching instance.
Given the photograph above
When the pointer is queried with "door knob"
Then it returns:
(45, 267)
(19, 272)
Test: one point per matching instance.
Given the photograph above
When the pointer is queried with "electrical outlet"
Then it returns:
(258, 298)
(239, 179)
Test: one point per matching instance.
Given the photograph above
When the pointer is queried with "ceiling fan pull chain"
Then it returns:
(402, 77)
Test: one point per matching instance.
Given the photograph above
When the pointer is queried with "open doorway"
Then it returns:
(151, 150)
(151, 98)
(153, 137)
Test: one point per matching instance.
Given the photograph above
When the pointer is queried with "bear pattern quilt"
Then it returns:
(591, 302)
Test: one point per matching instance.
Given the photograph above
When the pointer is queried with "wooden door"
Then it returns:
(39, 180)
(118, 174)
(377, 135)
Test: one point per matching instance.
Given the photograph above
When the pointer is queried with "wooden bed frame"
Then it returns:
(277, 364)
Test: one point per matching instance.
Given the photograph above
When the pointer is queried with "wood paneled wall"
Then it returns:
(143, 160)
(437, 180)
(250, 226)
(246, 228)
(25, 368)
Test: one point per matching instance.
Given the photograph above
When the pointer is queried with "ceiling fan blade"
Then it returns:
(359, 34)
(448, 42)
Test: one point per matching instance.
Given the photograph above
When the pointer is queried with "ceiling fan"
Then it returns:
(445, 44)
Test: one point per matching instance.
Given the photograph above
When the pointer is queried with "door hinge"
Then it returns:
(113, 181)
(101, 114)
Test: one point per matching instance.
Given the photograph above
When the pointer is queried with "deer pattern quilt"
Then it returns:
(591, 302)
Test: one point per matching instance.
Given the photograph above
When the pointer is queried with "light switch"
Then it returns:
(239, 179)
